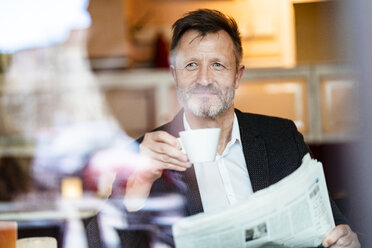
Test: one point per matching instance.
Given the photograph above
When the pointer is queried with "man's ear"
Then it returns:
(239, 75)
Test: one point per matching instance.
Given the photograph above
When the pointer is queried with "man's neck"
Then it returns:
(224, 121)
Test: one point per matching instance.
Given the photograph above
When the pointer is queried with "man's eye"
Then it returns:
(218, 66)
(191, 66)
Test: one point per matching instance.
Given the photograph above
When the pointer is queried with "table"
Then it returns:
(48, 214)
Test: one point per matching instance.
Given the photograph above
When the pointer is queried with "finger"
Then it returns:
(171, 152)
(168, 166)
(164, 158)
(350, 240)
(171, 145)
(338, 232)
(344, 241)
(164, 137)
(165, 149)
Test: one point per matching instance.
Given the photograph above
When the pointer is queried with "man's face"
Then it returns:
(206, 74)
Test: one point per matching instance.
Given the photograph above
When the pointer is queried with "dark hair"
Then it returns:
(207, 21)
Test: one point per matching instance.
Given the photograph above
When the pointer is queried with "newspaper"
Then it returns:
(295, 212)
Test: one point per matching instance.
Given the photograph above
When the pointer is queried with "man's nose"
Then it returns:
(204, 75)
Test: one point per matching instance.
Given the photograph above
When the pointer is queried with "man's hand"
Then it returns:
(165, 153)
(341, 236)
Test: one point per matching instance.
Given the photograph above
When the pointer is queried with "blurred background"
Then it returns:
(74, 97)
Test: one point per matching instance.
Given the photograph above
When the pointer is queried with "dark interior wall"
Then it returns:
(337, 160)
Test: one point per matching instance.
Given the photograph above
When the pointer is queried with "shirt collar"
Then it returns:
(185, 123)
(235, 133)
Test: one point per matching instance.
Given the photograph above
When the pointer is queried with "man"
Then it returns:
(254, 151)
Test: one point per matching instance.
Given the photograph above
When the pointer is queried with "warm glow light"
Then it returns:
(72, 187)
(39, 242)
(8, 234)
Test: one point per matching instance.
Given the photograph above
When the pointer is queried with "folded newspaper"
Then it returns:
(295, 212)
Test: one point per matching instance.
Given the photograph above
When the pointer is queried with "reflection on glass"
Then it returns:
(52, 111)
(71, 187)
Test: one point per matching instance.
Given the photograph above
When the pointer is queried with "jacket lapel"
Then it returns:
(194, 204)
(254, 152)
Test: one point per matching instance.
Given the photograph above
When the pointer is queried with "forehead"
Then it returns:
(213, 45)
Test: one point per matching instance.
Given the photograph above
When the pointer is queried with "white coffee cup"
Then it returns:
(200, 145)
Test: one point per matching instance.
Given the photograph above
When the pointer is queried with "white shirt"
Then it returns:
(224, 181)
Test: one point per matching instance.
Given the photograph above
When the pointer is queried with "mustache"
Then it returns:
(209, 89)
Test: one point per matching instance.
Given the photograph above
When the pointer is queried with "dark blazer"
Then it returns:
(273, 149)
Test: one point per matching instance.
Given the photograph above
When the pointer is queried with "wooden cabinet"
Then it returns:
(320, 99)
(268, 36)
(287, 33)
(286, 98)
(338, 100)
(274, 32)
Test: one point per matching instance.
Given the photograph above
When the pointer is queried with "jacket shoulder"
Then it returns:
(264, 122)
(173, 127)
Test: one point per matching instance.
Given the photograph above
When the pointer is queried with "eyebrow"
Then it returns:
(212, 59)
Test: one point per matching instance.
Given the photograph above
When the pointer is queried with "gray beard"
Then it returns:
(204, 108)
